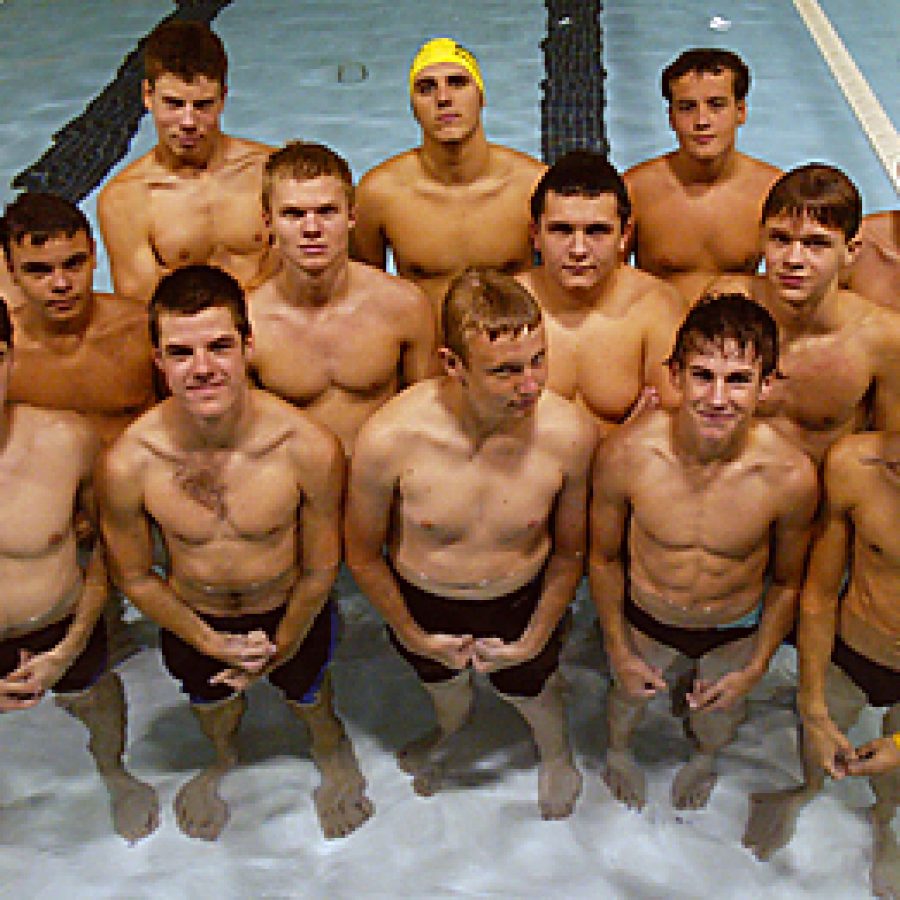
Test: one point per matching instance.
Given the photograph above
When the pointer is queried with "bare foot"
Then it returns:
(885, 863)
(199, 810)
(559, 784)
(340, 799)
(421, 759)
(134, 806)
(773, 817)
(694, 783)
(625, 779)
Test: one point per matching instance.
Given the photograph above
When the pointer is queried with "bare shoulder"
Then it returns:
(628, 445)
(278, 423)
(756, 171)
(649, 174)
(130, 181)
(394, 173)
(416, 410)
(243, 147)
(789, 471)
(568, 429)
(845, 464)
(120, 315)
(734, 283)
(652, 294)
(395, 296)
(58, 430)
(519, 165)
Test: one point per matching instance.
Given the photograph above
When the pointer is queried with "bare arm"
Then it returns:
(419, 359)
(609, 515)
(319, 547)
(126, 235)
(374, 472)
(367, 240)
(819, 621)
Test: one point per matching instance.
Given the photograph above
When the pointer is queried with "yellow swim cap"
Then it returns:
(444, 50)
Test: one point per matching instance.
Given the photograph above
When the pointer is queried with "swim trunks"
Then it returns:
(299, 678)
(504, 617)
(85, 669)
(692, 642)
(880, 684)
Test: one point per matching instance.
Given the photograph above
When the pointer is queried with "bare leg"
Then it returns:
(773, 814)
(134, 805)
(424, 758)
(886, 855)
(559, 781)
(340, 798)
(199, 809)
(622, 774)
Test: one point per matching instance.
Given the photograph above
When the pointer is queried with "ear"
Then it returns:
(766, 385)
(625, 239)
(671, 115)
(454, 367)
(158, 361)
(147, 94)
(534, 232)
(741, 107)
(852, 249)
(675, 372)
(249, 348)
(351, 217)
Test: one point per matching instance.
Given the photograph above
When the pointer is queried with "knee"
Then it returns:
(714, 730)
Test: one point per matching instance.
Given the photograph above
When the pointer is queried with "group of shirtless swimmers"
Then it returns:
(470, 435)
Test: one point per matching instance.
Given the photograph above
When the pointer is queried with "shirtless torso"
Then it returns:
(435, 229)
(154, 219)
(837, 360)
(696, 210)
(604, 356)
(717, 221)
(359, 333)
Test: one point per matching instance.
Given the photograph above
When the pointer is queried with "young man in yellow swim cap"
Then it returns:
(423, 203)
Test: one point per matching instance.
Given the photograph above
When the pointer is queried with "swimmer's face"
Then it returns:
(310, 222)
(704, 113)
(580, 240)
(502, 378)
(804, 258)
(56, 277)
(720, 388)
(186, 115)
(446, 102)
(203, 361)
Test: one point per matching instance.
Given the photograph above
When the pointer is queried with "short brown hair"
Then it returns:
(303, 161)
(40, 216)
(822, 192)
(708, 61)
(186, 50)
(716, 318)
(191, 290)
(486, 301)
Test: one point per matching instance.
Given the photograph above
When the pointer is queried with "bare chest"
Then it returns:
(826, 378)
(206, 218)
(197, 500)
(438, 233)
(302, 357)
(601, 361)
(503, 499)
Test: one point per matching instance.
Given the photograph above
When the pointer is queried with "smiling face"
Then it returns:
(55, 276)
(720, 388)
(203, 361)
(502, 376)
(186, 115)
(311, 221)
(580, 239)
(704, 113)
(446, 102)
(803, 258)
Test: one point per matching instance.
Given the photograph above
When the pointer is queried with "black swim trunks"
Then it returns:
(299, 678)
(880, 684)
(504, 617)
(692, 642)
(86, 668)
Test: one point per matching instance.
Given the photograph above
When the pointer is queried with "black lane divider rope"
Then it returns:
(86, 148)
(573, 91)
